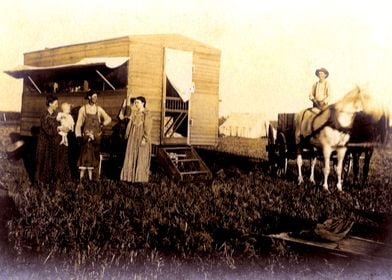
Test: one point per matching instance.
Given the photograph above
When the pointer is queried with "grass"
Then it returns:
(247, 147)
(196, 228)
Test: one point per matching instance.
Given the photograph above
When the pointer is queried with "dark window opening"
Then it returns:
(77, 79)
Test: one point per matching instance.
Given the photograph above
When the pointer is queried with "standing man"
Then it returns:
(88, 130)
(320, 90)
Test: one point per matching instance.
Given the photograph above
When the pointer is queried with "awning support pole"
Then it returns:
(106, 80)
(34, 84)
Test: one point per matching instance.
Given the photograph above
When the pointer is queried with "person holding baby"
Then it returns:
(88, 130)
(47, 145)
(51, 156)
(66, 126)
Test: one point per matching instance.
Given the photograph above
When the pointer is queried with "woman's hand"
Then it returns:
(63, 129)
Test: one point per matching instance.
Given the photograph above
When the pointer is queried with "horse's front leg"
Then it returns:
(313, 164)
(327, 158)
(340, 155)
(299, 165)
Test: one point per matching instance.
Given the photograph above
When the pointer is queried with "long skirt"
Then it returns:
(136, 167)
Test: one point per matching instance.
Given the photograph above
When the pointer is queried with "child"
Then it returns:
(66, 121)
(87, 154)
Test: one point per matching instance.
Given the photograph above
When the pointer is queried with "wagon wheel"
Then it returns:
(281, 150)
(271, 150)
(271, 135)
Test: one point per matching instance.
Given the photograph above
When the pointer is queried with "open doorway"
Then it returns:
(178, 87)
(176, 128)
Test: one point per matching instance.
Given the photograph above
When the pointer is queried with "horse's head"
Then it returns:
(375, 117)
(359, 99)
(352, 102)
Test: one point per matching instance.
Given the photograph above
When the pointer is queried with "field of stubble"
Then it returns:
(195, 229)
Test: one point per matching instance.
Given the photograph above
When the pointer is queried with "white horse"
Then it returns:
(328, 130)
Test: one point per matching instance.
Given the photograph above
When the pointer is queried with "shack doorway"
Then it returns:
(177, 89)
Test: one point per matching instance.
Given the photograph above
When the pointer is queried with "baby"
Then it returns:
(66, 121)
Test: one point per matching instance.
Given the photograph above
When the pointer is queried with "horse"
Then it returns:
(328, 130)
(366, 133)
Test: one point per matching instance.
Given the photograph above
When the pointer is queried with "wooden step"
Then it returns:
(188, 160)
(175, 159)
(194, 172)
(177, 148)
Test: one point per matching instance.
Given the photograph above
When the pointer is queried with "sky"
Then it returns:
(269, 49)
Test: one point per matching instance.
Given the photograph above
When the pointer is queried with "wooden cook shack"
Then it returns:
(178, 76)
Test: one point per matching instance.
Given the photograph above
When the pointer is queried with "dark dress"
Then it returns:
(122, 142)
(63, 170)
(47, 149)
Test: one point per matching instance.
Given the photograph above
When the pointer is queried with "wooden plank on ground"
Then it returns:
(350, 244)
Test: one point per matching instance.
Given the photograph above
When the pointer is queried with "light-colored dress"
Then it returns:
(136, 167)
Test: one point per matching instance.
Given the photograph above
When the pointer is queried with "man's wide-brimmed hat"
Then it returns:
(322, 69)
(90, 93)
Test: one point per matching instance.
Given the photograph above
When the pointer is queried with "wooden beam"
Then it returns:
(106, 80)
(34, 84)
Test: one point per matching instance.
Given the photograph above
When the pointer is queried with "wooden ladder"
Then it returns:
(182, 162)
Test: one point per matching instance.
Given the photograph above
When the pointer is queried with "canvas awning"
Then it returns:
(107, 62)
(178, 69)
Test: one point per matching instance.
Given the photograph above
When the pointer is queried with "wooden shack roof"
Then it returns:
(154, 39)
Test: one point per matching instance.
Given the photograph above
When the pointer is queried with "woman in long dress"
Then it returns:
(136, 167)
(51, 157)
(47, 143)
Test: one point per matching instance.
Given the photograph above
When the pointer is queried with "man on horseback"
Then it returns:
(320, 90)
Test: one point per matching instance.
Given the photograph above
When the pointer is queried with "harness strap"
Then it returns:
(332, 122)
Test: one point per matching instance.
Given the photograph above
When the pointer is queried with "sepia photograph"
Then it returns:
(195, 139)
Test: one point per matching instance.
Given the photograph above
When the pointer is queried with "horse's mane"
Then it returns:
(354, 98)
(371, 123)
(360, 99)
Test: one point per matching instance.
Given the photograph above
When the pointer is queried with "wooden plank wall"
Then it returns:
(206, 61)
(204, 128)
(33, 104)
(74, 53)
(149, 57)
(286, 125)
(145, 79)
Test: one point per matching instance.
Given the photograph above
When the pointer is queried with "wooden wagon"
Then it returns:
(365, 135)
(281, 143)
(178, 76)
